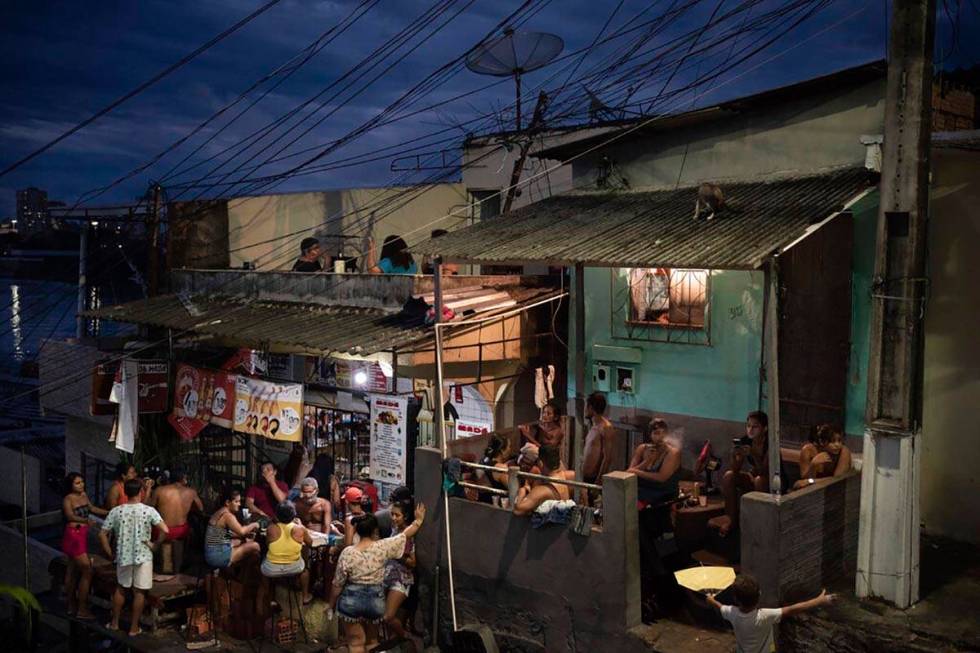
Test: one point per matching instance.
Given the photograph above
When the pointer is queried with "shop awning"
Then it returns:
(309, 328)
(656, 228)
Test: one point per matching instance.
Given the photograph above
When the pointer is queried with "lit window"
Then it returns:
(668, 297)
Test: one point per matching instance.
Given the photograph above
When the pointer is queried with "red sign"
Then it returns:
(154, 386)
(201, 397)
(103, 377)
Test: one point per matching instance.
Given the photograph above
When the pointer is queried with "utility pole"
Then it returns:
(515, 176)
(153, 258)
(888, 540)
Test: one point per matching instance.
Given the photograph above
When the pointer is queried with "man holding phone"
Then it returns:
(749, 468)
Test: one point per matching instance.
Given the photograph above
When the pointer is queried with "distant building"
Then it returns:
(32, 209)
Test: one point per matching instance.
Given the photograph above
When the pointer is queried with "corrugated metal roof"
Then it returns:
(304, 327)
(656, 228)
(963, 140)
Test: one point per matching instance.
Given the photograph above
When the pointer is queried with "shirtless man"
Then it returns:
(530, 497)
(597, 453)
(314, 511)
(174, 502)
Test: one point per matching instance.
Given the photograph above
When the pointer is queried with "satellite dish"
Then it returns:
(514, 54)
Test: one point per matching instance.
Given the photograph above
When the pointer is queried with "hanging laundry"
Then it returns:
(550, 382)
(125, 392)
(540, 390)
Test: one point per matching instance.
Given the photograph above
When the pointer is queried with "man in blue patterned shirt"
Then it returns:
(131, 524)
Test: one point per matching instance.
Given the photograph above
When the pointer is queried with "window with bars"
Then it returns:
(661, 304)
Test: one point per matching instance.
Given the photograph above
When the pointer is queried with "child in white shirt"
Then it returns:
(752, 624)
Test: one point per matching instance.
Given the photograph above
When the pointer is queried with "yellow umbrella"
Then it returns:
(705, 579)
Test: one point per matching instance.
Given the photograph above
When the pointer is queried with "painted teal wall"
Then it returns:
(719, 381)
(862, 267)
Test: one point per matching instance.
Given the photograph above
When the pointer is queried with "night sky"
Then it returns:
(63, 61)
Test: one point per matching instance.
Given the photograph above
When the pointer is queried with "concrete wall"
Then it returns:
(10, 472)
(12, 553)
(272, 218)
(951, 375)
(537, 589)
(798, 544)
(813, 133)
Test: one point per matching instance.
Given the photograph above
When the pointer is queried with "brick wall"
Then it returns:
(797, 544)
(953, 109)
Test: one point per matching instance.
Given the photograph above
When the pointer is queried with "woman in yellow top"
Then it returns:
(286, 538)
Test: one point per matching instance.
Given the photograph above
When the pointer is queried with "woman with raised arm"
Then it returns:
(358, 591)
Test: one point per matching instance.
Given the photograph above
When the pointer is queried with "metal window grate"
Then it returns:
(661, 304)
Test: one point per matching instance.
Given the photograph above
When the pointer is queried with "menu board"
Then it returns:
(272, 410)
(201, 397)
(389, 438)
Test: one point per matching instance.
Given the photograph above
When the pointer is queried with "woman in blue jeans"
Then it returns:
(224, 542)
(358, 594)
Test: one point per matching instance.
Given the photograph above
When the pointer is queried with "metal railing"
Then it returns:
(514, 476)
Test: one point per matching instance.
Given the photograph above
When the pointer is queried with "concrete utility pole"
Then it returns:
(153, 260)
(888, 544)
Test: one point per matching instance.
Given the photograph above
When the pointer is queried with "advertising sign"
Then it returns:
(272, 410)
(367, 376)
(154, 387)
(201, 397)
(389, 437)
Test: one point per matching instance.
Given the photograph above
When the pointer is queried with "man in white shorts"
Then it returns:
(131, 524)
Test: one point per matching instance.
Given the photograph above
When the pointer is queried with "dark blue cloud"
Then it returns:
(64, 60)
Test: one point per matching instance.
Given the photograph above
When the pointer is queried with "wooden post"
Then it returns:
(578, 291)
(771, 318)
(888, 540)
(515, 175)
(440, 415)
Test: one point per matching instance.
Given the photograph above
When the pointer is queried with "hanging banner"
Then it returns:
(201, 397)
(389, 435)
(272, 410)
(466, 429)
(103, 376)
(153, 377)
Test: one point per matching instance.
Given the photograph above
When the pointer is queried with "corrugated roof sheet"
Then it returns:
(963, 140)
(305, 327)
(656, 228)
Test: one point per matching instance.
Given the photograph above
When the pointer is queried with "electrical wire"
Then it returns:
(142, 87)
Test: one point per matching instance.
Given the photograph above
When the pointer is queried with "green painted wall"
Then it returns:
(862, 267)
(717, 381)
(721, 380)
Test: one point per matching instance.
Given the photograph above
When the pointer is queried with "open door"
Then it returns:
(815, 329)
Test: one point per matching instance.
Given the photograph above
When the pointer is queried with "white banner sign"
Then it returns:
(273, 410)
(389, 437)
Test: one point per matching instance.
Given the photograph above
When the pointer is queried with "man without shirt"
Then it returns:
(174, 502)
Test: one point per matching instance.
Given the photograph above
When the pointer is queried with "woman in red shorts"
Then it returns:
(78, 577)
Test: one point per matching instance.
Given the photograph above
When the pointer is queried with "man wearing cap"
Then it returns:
(309, 259)
(353, 498)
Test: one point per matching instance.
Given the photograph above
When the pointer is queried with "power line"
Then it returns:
(142, 87)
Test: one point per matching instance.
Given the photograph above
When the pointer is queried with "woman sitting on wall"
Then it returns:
(825, 456)
(358, 594)
(546, 431)
(656, 464)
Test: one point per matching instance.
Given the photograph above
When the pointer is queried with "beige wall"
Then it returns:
(951, 376)
(254, 220)
(812, 134)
